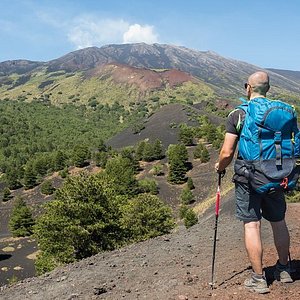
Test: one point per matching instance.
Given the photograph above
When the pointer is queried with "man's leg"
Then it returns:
(282, 244)
(281, 240)
(253, 245)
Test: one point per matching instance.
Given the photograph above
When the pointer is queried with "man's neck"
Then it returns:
(255, 95)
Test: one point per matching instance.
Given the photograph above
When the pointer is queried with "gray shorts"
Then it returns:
(251, 206)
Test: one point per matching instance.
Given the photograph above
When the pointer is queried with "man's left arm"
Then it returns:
(227, 151)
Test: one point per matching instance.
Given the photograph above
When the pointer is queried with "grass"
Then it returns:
(79, 90)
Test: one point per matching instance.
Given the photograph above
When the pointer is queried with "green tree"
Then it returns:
(21, 221)
(121, 170)
(178, 156)
(148, 186)
(12, 178)
(59, 160)
(146, 216)
(101, 159)
(140, 150)
(47, 187)
(157, 170)
(201, 153)
(188, 215)
(82, 220)
(80, 154)
(186, 134)
(158, 149)
(186, 196)
(190, 183)
(6, 194)
(198, 151)
(190, 218)
(148, 153)
(205, 157)
(30, 176)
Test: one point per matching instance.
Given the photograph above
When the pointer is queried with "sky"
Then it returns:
(263, 33)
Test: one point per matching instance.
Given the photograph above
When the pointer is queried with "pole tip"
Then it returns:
(212, 285)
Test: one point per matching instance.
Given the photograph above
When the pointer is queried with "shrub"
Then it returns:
(190, 183)
(21, 221)
(148, 186)
(146, 216)
(190, 218)
(47, 187)
(157, 170)
(186, 196)
(6, 194)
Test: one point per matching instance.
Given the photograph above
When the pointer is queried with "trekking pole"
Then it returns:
(218, 197)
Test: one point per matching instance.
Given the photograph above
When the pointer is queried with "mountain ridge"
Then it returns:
(225, 75)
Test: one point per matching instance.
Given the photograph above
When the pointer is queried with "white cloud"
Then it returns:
(90, 30)
(138, 33)
(87, 31)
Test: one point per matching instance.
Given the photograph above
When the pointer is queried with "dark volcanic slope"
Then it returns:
(157, 127)
(175, 266)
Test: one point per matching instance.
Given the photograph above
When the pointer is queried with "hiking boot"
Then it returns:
(257, 283)
(283, 273)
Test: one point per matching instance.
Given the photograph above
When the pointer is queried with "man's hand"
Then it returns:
(217, 167)
(218, 171)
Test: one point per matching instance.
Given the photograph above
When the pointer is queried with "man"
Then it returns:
(251, 206)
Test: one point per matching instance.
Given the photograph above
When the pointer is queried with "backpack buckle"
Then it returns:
(284, 183)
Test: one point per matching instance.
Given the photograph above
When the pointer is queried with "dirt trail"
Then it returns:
(175, 266)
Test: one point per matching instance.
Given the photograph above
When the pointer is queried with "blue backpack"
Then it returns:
(269, 145)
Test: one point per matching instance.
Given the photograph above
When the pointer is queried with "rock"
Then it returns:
(100, 291)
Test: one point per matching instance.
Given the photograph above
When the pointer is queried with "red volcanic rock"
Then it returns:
(145, 79)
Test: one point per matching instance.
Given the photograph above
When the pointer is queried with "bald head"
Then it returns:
(259, 82)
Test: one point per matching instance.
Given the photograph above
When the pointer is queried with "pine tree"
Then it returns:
(205, 157)
(80, 154)
(30, 176)
(6, 194)
(190, 183)
(21, 221)
(47, 187)
(186, 135)
(186, 196)
(178, 156)
(140, 150)
(157, 149)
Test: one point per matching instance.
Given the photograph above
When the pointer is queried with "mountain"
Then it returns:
(223, 76)
(226, 75)
(293, 75)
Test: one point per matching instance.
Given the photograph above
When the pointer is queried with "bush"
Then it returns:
(186, 196)
(190, 218)
(6, 194)
(201, 153)
(146, 216)
(21, 221)
(178, 156)
(81, 221)
(157, 170)
(188, 215)
(190, 183)
(47, 187)
(148, 186)
(64, 173)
